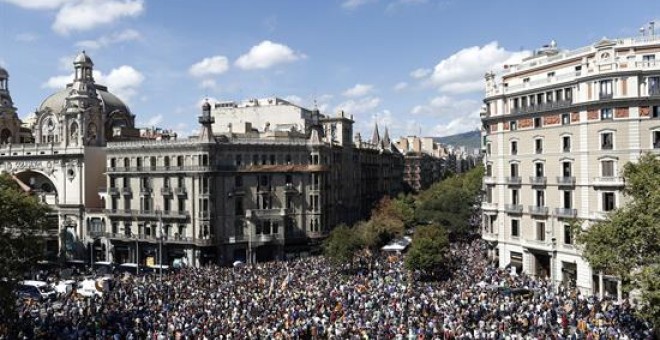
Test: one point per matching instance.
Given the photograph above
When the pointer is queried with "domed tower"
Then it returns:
(206, 120)
(9, 123)
(83, 119)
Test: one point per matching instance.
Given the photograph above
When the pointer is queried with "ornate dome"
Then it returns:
(3, 73)
(109, 102)
(83, 58)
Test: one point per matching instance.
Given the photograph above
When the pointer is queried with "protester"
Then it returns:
(309, 298)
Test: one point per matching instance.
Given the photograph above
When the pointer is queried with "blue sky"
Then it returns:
(413, 65)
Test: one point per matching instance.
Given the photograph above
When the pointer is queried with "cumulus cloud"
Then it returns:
(463, 71)
(353, 4)
(210, 66)
(420, 73)
(209, 84)
(81, 15)
(123, 81)
(117, 37)
(357, 106)
(359, 90)
(267, 54)
(445, 106)
(465, 123)
(294, 99)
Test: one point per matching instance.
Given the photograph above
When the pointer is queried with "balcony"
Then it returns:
(545, 245)
(605, 96)
(175, 214)
(488, 206)
(113, 191)
(513, 180)
(542, 107)
(119, 212)
(566, 181)
(316, 234)
(260, 213)
(289, 187)
(489, 236)
(126, 191)
(538, 210)
(166, 191)
(205, 215)
(513, 208)
(489, 179)
(237, 239)
(609, 181)
(565, 212)
(146, 191)
(537, 180)
(180, 191)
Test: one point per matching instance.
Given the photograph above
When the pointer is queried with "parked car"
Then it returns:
(38, 290)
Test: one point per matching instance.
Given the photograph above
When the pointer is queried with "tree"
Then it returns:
(22, 221)
(388, 220)
(452, 202)
(342, 244)
(627, 243)
(428, 250)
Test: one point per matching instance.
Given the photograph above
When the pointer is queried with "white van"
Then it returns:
(35, 290)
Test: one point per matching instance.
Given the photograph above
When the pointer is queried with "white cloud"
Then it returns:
(465, 123)
(420, 73)
(81, 15)
(400, 86)
(117, 37)
(26, 37)
(446, 107)
(357, 106)
(210, 66)
(123, 81)
(463, 71)
(267, 54)
(359, 90)
(353, 4)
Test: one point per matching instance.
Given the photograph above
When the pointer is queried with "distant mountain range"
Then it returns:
(470, 140)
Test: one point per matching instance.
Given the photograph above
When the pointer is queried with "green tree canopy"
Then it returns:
(22, 220)
(627, 243)
(428, 249)
(342, 244)
(452, 202)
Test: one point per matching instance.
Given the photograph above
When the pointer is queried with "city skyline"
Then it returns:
(414, 65)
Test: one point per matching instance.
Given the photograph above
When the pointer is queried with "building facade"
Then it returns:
(425, 162)
(557, 131)
(262, 194)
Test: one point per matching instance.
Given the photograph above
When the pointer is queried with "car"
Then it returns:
(38, 290)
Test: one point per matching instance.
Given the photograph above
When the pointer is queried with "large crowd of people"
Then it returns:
(311, 299)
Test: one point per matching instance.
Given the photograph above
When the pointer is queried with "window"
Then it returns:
(540, 231)
(548, 97)
(287, 159)
(526, 80)
(514, 170)
(255, 159)
(607, 168)
(540, 198)
(537, 122)
(608, 201)
(489, 170)
(566, 144)
(514, 148)
(654, 86)
(538, 145)
(514, 196)
(566, 169)
(239, 160)
(605, 89)
(515, 228)
(238, 181)
(516, 103)
(182, 204)
(606, 113)
(551, 74)
(238, 207)
(565, 119)
(272, 159)
(607, 141)
(568, 234)
(488, 149)
(513, 125)
(568, 199)
(568, 94)
(538, 170)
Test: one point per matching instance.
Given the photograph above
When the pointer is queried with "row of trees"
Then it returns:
(445, 209)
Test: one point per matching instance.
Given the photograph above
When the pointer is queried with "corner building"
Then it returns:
(267, 181)
(557, 130)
